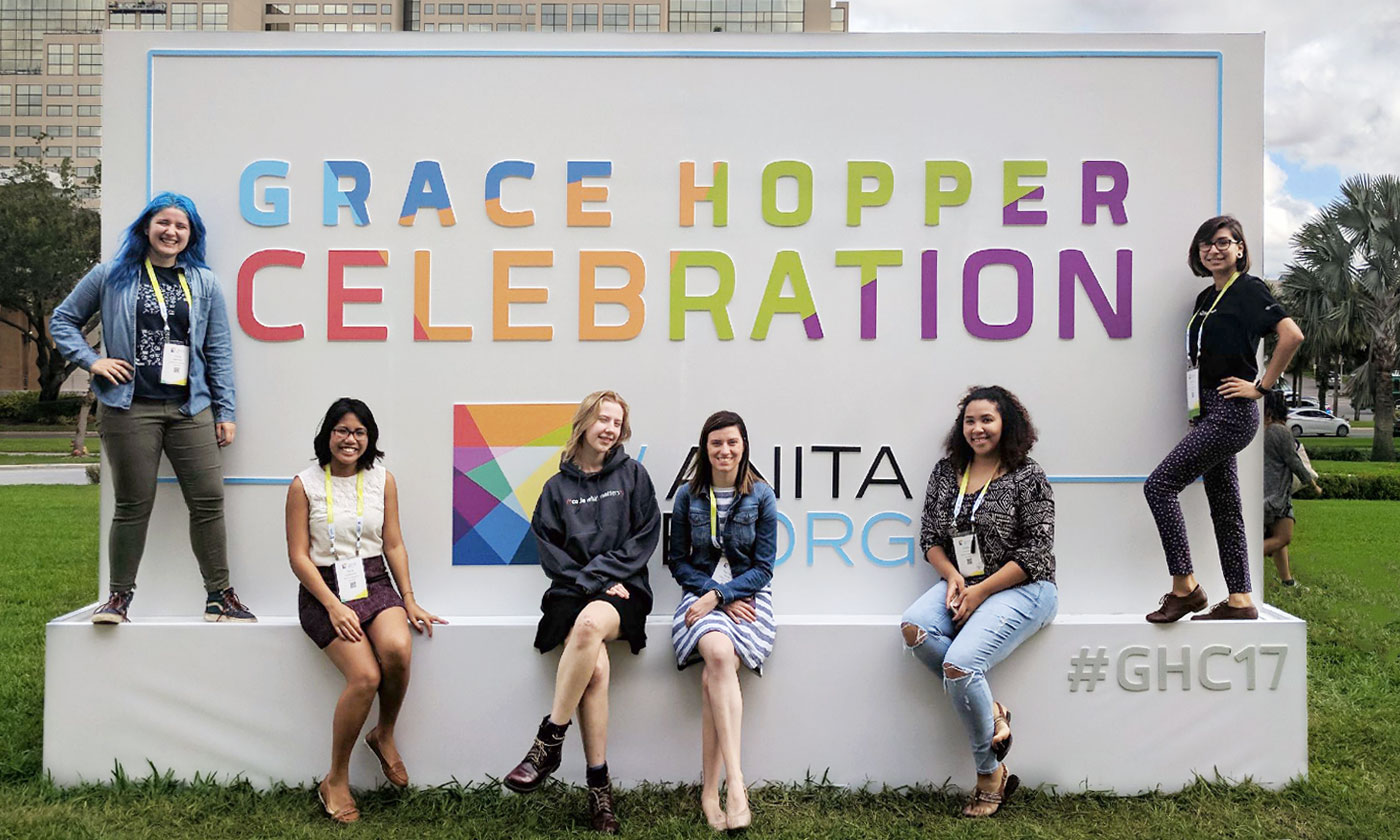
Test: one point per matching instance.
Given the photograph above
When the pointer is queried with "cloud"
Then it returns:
(1283, 214)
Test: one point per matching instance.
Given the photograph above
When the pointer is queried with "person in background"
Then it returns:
(165, 384)
(1281, 463)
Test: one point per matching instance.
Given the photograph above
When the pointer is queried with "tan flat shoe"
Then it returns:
(344, 816)
(396, 773)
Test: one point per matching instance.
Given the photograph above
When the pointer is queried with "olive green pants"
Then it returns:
(133, 440)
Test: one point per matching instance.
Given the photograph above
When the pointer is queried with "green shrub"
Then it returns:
(25, 407)
(1344, 486)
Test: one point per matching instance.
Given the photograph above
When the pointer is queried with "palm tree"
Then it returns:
(1347, 278)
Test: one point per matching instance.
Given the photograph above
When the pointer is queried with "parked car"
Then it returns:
(1313, 421)
(1300, 401)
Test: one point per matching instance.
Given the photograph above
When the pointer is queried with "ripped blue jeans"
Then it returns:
(996, 628)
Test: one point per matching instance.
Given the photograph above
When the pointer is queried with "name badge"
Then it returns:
(350, 579)
(966, 555)
(1193, 393)
(175, 364)
(723, 574)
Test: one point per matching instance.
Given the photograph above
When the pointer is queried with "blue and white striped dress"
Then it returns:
(752, 640)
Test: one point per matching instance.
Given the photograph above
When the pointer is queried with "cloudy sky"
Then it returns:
(1332, 77)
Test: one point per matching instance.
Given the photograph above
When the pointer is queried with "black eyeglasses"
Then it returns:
(1219, 244)
(345, 432)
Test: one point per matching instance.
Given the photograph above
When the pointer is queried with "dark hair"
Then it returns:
(1018, 435)
(338, 409)
(702, 474)
(1206, 232)
(1275, 407)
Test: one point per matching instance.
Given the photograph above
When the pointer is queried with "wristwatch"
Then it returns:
(1259, 386)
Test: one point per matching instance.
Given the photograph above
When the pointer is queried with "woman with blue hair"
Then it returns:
(165, 385)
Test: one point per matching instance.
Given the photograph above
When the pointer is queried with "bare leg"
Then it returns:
(393, 645)
(598, 623)
(712, 761)
(1276, 544)
(1281, 563)
(593, 710)
(357, 662)
(727, 712)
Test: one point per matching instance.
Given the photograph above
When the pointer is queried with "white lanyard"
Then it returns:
(962, 491)
(359, 510)
(160, 298)
(1201, 327)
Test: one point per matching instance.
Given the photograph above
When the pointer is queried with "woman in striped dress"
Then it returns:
(724, 533)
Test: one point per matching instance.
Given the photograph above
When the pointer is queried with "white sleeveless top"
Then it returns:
(313, 481)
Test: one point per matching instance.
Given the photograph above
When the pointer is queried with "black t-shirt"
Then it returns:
(1246, 312)
(150, 332)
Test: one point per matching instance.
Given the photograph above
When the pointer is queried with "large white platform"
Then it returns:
(1101, 702)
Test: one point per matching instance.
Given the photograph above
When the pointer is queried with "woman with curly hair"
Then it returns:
(989, 531)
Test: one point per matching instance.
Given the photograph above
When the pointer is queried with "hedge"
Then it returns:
(1337, 486)
(24, 407)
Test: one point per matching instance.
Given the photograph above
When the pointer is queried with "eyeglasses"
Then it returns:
(1219, 244)
(345, 432)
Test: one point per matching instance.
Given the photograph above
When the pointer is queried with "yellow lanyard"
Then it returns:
(359, 510)
(160, 298)
(962, 491)
(1201, 328)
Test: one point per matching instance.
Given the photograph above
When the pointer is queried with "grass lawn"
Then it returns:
(1321, 447)
(10, 460)
(1345, 556)
(1355, 467)
(61, 445)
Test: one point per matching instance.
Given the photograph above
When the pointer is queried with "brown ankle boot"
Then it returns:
(543, 759)
(1173, 606)
(600, 809)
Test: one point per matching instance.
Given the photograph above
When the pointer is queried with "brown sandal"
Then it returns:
(1009, 784)
(344, 816)
(1001, 715)
(396, 773)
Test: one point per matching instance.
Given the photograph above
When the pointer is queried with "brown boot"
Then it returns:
(1173, 606)
(542, 759)
(601, 815)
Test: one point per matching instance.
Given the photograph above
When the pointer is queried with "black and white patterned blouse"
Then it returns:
(1015, 523)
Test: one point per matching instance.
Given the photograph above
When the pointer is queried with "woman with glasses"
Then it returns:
(724, 538)
(1222, 384)
(165, 384)
(344, 544)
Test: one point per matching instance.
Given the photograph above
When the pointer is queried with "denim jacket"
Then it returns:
(211, 349)
(750, 541)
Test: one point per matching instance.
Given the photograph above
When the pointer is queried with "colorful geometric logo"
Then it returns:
(501, 457)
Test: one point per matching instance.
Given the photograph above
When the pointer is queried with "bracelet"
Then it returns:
(1259, 386)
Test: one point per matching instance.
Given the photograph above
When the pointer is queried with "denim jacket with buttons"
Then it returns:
(211, 348)
(750, 540)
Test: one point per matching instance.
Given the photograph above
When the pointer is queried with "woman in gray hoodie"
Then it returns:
(597, 524)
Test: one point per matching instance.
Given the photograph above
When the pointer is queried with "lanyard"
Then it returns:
(1201, 328)
(359, 510)
(160, 298)
(962, 491)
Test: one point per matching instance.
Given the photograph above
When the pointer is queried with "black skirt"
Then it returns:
(316, 622)
(561, 611)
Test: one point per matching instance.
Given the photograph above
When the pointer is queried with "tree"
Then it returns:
(48, 240)
(1353, 248)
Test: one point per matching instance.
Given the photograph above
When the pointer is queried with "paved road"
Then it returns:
(45, 474)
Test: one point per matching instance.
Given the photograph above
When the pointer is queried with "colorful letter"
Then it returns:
(787, 265)
(1113, 197)
(504, 294)
(278, 197)
(256, 262)
(1025, 301)
(423, 329)
(337, 295)
(835, 543)
(494, 211)
(427, 189)
(715, 303)
(1013, 192)
(576, 171)
(629, 295)
(857, 198)
(802, 174)
(935, 197)
(928, 295)
(354, 198)
(717, 194)
(869, 262)
(1075, 266)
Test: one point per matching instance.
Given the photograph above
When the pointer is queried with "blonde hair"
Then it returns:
(587, 412)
